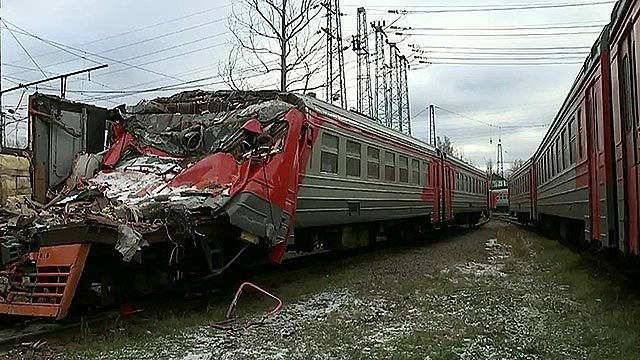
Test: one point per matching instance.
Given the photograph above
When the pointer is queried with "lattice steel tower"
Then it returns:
(361, 47)
(335, 81)
(405, 113)
(395, 88)
(381, 98)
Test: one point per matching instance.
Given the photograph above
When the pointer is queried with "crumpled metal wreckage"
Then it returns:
(186, 184)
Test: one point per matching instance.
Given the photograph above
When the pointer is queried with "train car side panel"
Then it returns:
(624, 64)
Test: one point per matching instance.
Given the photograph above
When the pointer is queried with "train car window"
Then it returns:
(389, 166)
(549, 164)
(552, 159)
(540, 174)
(353, 158)
(545, 166)
(427, 165)
(628, 91)
(572, 142)
(558, 156)
(565, 152)
(403, 171)
(580, 134)
(373, 163)
(329, 154)
(415, 171)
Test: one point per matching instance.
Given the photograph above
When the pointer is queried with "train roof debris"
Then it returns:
(163, 167)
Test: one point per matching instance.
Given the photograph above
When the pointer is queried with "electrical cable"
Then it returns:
(531, 34)
(498, 28)
(142, 41)
(23, 48)
(137, 30)
(499, 8)
(64, 47)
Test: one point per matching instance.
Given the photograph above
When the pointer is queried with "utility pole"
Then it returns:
(335, 81)
(2, 122)
(500, 164)
(361, 48)
(432, 125)
(381, 108)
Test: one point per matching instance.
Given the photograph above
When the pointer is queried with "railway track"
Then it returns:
(16, 331)
(506, 218)
(626, 270)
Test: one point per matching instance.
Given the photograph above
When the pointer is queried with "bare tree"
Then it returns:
(489, 167)
(271, 36)
(445, 145)
(515, 165)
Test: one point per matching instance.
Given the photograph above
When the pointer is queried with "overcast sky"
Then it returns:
(187, 40)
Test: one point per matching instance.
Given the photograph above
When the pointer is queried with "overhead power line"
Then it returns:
(142, 41)
(66, 48)
(505, 53)
(155, 61)
(450, 9)
(24, 49)
(462, 115)
(496, 28)
(488, 123)
(546, 63)
(460, 6)
(137, 30)
(416, 47)
(509, 57)
(530, 34)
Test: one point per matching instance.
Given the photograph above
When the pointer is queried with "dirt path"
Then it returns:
(495, 293)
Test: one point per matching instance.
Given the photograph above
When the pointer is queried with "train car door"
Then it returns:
(450, 185)
(62, 129)
(532, 191)
(631, 140)
(438, 195)
(593, 225)
(445, 193)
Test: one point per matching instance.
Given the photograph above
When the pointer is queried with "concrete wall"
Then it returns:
(14, 177)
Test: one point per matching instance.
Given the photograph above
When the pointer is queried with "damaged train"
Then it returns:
(138, 198)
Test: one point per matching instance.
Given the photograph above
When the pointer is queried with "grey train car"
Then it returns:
(520, 193)
(583, 181)
(364, 179)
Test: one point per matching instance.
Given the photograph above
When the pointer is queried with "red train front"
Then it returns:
(193, 180)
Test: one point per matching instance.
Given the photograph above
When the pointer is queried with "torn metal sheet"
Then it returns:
(129, 242)
(205, 172)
